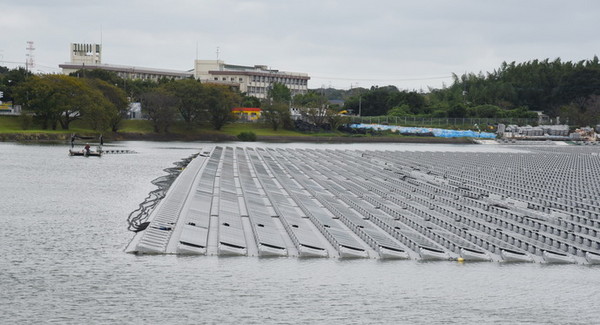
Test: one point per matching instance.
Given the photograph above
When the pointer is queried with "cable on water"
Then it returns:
(137, 219)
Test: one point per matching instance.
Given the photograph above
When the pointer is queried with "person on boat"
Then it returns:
(72, 140)
(87, 148)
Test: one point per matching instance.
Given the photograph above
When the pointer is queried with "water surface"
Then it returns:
(63, 231)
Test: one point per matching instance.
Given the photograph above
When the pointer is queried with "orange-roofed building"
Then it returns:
(247, 113)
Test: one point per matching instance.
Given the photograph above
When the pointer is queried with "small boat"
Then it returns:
(84, 153)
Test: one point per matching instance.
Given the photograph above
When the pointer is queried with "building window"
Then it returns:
(241, 79)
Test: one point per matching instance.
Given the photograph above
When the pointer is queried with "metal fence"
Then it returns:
(440, 121)
(466, 122)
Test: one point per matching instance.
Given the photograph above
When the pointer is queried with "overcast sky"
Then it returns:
(342, 44)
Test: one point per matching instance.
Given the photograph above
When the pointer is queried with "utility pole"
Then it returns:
(360, 105)
(359, 99)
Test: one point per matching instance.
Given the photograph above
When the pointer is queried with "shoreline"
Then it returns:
(59, 137)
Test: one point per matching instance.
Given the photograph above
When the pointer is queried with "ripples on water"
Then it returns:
(64, 228)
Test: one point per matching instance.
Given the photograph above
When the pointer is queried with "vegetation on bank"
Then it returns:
(96, 101)
(10, 130)
(570, 90)
(12, 125)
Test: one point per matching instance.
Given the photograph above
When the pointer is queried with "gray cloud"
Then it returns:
(408, 44)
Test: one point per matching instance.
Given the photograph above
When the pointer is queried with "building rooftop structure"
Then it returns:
(129, 72)
(89, 56)
(252, 80)
(86, 53)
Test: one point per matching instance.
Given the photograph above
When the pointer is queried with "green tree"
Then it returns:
(539, 85)
(313, 108)
(10, 80)
(312, 98)
(160, 106)
(334, 119)
(314, 115)
(401, 110)
(104, 75)
(376, 101)
(36, 95)
(279, 92)
(73, 97)
(59, 98)
(250, 101)
(485, 111)
(275, 108)
(135, 88)
(116, 108)
(190, 94)
(276, 113)
(457, 110)
(220, 100)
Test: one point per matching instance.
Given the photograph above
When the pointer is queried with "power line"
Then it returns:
(37, 64)
(376, 79)
(14, 62)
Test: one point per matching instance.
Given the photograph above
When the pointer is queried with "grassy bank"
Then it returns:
(11, 129)
(137, 128)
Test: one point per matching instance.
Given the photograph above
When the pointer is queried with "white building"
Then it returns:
(254, 81)
(89, 57)
(129, 72)
(135, 111)
(88, 54)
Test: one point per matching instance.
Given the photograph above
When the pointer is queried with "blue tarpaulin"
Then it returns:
(441, 133)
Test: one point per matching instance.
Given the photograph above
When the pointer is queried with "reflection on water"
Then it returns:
(64, 228)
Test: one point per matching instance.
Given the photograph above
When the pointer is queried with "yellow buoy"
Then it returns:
(460, 260)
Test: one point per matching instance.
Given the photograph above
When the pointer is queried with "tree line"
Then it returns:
(556, 88)
(514, 90)
(101, 99)
(58, 100)
(312, 108)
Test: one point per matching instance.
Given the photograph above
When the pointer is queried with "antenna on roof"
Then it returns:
(29, 61)
(220, 65)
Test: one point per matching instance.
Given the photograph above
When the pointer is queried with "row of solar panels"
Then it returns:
(237, 201)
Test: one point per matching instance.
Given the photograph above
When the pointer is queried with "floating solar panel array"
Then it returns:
(542, 205)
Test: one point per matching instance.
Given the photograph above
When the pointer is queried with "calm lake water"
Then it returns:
(63, 231)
